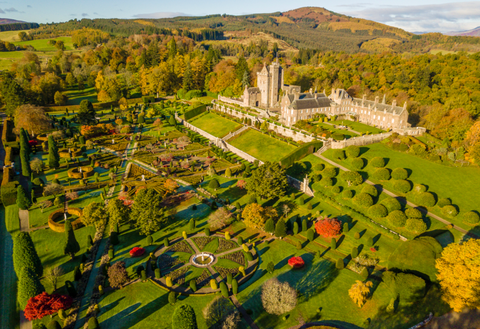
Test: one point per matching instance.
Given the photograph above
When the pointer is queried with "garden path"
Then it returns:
(410, 204)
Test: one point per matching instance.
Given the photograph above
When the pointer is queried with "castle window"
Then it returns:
(393, 120)
(383, 118)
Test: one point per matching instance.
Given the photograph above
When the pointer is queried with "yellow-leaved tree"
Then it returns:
(254, 216)
(360, 291)
(459, 274)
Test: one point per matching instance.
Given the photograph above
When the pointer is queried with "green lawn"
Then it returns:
(12, 222)
(261, 146)
(76, 96)
(357, 126)
(215, 124)
(8, 311)
(460, 184)
(41, 45)
(348, 134)
(145, 305)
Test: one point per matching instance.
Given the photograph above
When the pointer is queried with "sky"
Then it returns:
(410, 15)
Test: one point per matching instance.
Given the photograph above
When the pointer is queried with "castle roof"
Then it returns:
(308, 101)
(379, 106)
(253, 90)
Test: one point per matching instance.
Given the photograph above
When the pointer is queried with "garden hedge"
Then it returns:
(299, 153)
(194, 112)
(58, 227)
(25, 255)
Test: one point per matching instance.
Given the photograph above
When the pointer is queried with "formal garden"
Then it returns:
(125, 218)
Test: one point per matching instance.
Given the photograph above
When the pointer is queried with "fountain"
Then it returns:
(65, 215)
(203, 259)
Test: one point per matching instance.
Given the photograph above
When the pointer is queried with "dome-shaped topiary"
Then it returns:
(358, 163)
(381, 174)
(370, 189)
(416, 225)
(426, 199)
(391, 204)
(363, 199)
(399, 173)
(450, 210)
(329, 172)
(377, 211)
(347, 194)
(471, 217)
(377, 162)
(402, 186)
(397, 218)
(413, 213)
(353, 151)
(444, 202)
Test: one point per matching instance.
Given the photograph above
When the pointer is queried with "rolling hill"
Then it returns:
(470, 33)
(9, 21)
(307, 27)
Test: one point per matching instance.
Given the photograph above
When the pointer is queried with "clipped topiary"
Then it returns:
(397, 218)
(329, 172)
(416, 225)
(444, 202)
(399, 173)
(391, 204)
(352, 178)
(471, 217)
(426, 199)
(184, 317)
(402, 186)
(450, 210)
(358, 163)
(339, 154)
(347, 194)
(327, 182)
(377, 162)
(363, 199)
(377, 211)
(370, 189)
(413, 213)
(419, 188)
(353, 151)
(381, 174)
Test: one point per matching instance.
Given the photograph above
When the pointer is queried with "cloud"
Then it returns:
(356, 5)
(1, 11)
(435, 18)
(28, 6)
(84, 15)
(11, 10)
(160, 15)
(95, 13)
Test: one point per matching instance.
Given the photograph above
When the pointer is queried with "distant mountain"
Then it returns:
(9, 21)
(470, 33)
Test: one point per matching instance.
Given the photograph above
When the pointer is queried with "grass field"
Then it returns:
(76, 96)
(348, 134)
(215, 124)
(42, 45)
(358, 126)
(10, 36)
(261, 146)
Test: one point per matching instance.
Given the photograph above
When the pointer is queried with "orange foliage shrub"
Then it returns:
(328, 227)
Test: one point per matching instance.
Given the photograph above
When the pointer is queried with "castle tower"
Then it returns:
(270, 83)
(263, 83)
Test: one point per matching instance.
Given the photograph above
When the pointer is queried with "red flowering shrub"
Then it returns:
(373, 249)
(241, 184)
(32, 142)
(328, 227)
(135, 252)
(296, 262)
(45, 304)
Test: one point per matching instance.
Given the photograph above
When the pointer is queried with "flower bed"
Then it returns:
(296, 262)
(204, 279)
(223, 271)
(236, 257)
(225, 245)
(181, 246)
(58, 227)
(202, 241)
(75, 172)
(166, 261)
(178, 276)
(137, 252)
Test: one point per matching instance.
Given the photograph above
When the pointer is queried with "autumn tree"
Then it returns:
(32, 118)
(117, 211)
(254, 216)
(459, 274)
(328, 227)
(86, 113)
(45, 304)
(147, 214)
(52, 275)
(220, 312)
(220, 218)
(277, 297)
(94, 214)
(359, 292)
(37, 165)
(184, 317)
(268, 181)
(117, 275)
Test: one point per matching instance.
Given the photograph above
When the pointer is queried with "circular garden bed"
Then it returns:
(177, 262)
(56, 219)
(76, 152)
(87, 171)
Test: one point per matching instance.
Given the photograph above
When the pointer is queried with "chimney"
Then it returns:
(405, 105)
(376, 100)
(394, 103)
(363, 99)
(384, 99)
(311, 91)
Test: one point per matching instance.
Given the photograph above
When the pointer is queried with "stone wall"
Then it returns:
(230, 100)
(360, 140)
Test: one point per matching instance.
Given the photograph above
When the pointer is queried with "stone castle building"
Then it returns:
(293, 106)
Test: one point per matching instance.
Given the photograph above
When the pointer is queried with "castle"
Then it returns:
(293, 106)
